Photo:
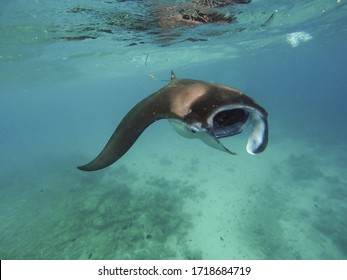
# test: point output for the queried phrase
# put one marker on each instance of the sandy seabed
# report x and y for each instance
(172, 198)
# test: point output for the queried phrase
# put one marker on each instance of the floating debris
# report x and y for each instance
(146, 59)
(295, 38)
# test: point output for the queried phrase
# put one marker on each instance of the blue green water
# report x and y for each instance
(169, 197)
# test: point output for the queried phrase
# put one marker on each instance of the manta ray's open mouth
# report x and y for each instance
(232, 120)
(229, 122)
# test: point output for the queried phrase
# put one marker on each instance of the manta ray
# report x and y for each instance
(196, 109)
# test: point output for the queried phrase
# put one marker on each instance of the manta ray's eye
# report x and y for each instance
(229, 122)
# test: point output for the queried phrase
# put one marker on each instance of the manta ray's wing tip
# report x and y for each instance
(89, 167)
(83, 168)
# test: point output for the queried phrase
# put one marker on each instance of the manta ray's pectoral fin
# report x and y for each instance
(120, 142)
(128, 131)
(115, 148)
